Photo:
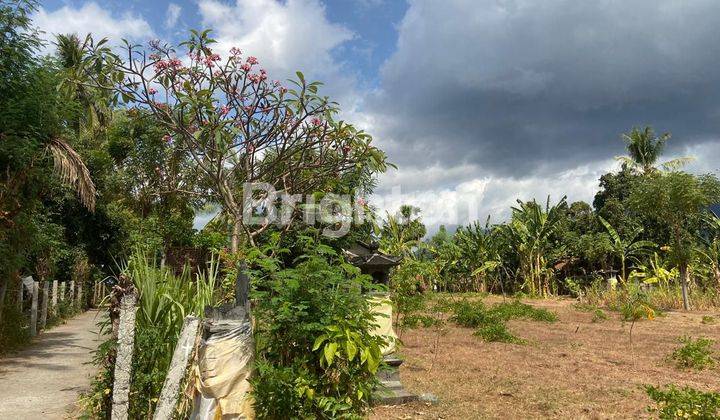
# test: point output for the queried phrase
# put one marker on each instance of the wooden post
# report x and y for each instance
(123, 361)
(178, 368)
(34, 309)
(54, 296)
(63, 286)
(44, 307)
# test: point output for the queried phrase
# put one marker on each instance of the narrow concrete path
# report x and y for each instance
(45, 380)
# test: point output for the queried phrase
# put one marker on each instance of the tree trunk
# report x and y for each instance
(684, 285)
(236, 232)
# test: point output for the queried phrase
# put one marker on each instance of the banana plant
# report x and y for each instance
(655, 272)
(625, 248)
(529, 233)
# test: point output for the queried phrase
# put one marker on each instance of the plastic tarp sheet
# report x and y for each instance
(222, 375)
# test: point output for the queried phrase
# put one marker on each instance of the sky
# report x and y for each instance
(477, 102)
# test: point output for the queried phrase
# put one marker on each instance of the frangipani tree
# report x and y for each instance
(238, 125)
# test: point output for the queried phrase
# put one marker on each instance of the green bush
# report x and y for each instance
(497, 332)
(316, 355)
(695, 354)
(684, 403)
(519, 310)
(14, 329)
(416, 320)
(490, 323)
(470, 314)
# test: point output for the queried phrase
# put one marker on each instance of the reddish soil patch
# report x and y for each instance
(574, 368)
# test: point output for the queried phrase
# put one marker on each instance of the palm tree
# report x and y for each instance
(645, 148)
(70, 168)
(625, 248)
(72, 54)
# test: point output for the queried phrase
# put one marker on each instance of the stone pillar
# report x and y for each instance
(44, 307)
(71, 296)
(63, 286)
(34, 309)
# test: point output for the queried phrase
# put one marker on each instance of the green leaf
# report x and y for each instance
(351, 350)
(319, 341)
(329, 351)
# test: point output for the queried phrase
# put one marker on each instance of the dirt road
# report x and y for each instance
(44, 380)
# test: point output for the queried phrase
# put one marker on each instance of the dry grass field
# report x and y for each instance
(574, 368)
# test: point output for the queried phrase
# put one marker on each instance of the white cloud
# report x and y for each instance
(458, 195)
(172, 15)
(285, 37)
(91, 18)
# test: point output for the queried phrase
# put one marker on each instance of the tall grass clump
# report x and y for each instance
(164, 300)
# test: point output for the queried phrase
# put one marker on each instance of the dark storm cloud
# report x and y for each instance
(517, 87)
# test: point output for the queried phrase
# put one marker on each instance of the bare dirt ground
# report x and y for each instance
(574, 368)
(44, 380)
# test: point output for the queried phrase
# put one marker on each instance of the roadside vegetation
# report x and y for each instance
(106, 162)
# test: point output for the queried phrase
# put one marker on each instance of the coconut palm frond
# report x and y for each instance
(674, 164)
(72, 171)
(627, 160)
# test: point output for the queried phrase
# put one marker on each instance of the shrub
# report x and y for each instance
(470, 314)
(14, 329)
(490, 323)
(695, 354)
(317, 356)
(683, 403)
(416, 320)
(497, 332)
(634, 305)
(519, 310)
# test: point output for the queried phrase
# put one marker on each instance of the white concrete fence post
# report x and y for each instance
(123, 361)
(34, 309)
(54, 296)
(178, 368)
(44, 307)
